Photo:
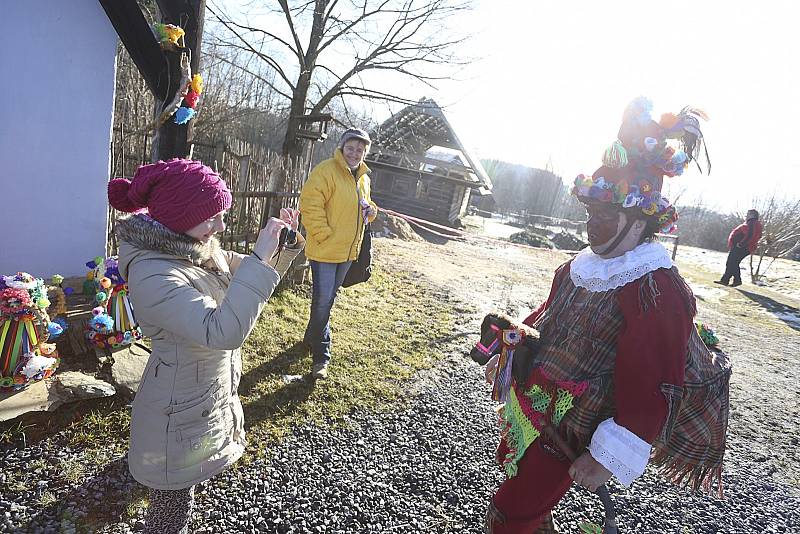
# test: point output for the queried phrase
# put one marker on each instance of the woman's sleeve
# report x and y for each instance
(165, 298)
(314, 196)
(650, 358)
(368, 197)
(282, 261)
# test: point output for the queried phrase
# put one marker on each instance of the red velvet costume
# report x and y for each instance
(651, 351)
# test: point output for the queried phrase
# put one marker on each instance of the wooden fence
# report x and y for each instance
(259, 180)
(261, 184)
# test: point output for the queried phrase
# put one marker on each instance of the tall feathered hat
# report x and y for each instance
(645, 151)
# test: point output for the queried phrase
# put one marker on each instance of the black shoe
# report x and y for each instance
(736, 283)
(720, 282)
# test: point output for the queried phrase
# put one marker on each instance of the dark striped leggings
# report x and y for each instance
(169, 511)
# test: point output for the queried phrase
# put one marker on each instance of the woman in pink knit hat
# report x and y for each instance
(197, 303)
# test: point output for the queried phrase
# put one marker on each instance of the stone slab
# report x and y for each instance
(128, 368)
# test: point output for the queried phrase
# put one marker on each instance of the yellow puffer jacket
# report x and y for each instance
(329, 204)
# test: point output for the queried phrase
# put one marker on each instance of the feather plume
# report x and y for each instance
(687, 131)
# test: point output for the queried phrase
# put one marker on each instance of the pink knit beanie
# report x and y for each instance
(178, 193)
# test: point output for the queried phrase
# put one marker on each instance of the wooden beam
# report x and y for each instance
(139, 41)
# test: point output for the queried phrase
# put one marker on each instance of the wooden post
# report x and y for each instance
(174, 140)
(219, 155)
(243, 185)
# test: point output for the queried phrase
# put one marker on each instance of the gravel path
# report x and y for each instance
(428, 466)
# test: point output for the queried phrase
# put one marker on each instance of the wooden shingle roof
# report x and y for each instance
(406, 136)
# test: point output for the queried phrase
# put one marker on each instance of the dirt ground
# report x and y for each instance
(759, 327)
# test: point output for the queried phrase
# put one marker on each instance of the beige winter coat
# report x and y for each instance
(198, 304)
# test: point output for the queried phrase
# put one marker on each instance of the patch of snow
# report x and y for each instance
(791, 318)
(708, 294)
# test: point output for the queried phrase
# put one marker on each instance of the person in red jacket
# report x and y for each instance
(617, 345)
(741, 243)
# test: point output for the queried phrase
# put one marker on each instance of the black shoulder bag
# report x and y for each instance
(361, 269)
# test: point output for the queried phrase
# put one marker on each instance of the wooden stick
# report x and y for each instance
(610, 523)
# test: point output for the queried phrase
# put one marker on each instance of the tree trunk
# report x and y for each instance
(293, 146)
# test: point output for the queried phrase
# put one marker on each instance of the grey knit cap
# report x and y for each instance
(355, 133)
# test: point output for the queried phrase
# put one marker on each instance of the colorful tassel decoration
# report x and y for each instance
(502, 382)
(615, 156)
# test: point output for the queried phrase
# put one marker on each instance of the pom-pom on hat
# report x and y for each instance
(645, 151)
(178, 193)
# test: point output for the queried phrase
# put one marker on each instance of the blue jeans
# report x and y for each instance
(326, 280)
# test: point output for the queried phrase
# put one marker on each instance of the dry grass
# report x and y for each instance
(382, 331)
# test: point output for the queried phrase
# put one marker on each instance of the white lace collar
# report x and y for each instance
(590, 271)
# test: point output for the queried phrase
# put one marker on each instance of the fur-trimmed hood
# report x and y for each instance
(144, 233)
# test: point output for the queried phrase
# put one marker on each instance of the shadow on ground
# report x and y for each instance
(283, 400)
(786, 313)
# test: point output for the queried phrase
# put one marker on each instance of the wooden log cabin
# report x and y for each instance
(421, 168)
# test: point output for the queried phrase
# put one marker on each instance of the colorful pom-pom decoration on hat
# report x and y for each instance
(25, 328)
(646, 151)
(112, 324)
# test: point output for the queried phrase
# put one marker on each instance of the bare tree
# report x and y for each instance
(780, 219)
(405, 37)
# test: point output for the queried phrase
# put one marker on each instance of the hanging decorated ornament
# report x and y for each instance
(184, 115)
(197, 84)
(113, 324)
(168, 34)
(25, 327)
(187, 112)
(183, 106)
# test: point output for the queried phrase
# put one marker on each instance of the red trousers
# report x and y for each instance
(524, 500)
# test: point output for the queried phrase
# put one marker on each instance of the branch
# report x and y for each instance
(287, 13)
(371, 94)
(264, 57)
(350, 25)
(255, 30)
(251, 73)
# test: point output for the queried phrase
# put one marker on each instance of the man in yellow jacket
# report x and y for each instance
(335, 204)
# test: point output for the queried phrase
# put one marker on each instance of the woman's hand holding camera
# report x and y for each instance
(291, 217)
(267, 242)
(269, 236)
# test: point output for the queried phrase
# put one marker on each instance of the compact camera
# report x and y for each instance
(288, 237)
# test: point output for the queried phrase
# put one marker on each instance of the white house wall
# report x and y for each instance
(57, 65)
